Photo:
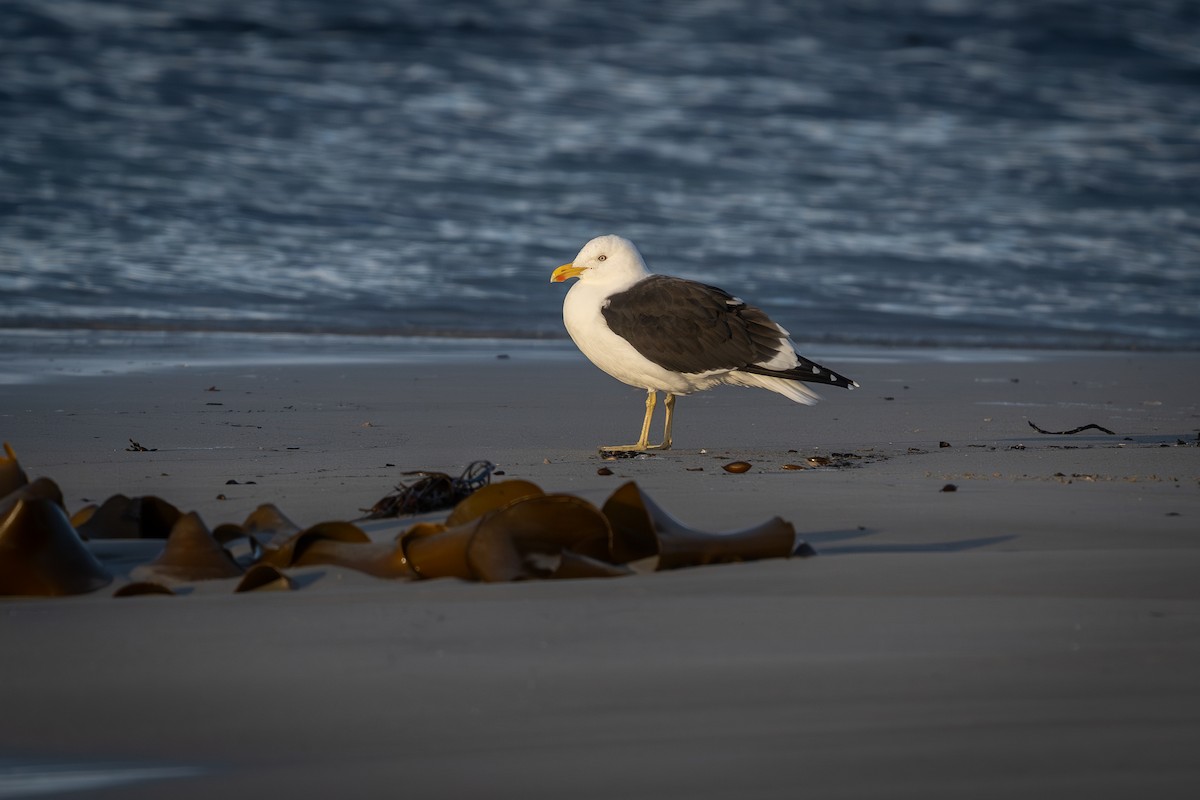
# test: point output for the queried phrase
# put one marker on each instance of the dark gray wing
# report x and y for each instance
(690, 327)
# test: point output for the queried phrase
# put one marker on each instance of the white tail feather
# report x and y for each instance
(792, 390)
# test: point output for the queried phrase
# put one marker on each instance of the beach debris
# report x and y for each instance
(41, 555)
(737, 467)
(121, 517)
(264, 578)
(266, 522)
(491, 497)
(313, 544)
(40, 489)
(641, 529)
(1073, 430)
(949, 487)
(833, 461)
(139, 588)
(520, 540)
(512, 530)
(560, 536)
(191, 553)
(12, 477)
(432, 491)
(504, 531)
(604, 471)
(138, 447)
(944, 444)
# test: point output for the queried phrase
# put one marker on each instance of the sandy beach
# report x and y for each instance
(1036, 631)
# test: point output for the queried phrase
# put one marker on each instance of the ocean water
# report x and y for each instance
(947, 172)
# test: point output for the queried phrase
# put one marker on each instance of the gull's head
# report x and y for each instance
(607, 259)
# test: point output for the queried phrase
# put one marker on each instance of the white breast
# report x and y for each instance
(608, 351)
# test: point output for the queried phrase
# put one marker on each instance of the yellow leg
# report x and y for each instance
(669, 405)
(644, 439)
(643, 442)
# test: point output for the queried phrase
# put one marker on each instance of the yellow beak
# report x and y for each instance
(566, 271)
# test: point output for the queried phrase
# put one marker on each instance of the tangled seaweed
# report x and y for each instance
(434, 491)
(506, 531)
(1081, 428)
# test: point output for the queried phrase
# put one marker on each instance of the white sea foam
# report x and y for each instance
(891, 173)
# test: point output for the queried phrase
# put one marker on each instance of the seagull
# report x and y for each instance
(672, 335)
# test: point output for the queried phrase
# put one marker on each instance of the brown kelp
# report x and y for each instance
(507, 530)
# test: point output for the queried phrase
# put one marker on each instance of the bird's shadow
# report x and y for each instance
(821, 543)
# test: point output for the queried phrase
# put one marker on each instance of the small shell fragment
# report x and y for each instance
(736, 466)
(604, 471)
(794, 466)
(817, 461)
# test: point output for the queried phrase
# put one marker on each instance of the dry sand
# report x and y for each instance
(1035, 632)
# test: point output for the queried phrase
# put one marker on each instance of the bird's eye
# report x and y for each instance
(601, 258)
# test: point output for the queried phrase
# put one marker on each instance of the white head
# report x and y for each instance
(608, 260)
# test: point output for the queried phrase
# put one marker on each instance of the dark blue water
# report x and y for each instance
(957, 172)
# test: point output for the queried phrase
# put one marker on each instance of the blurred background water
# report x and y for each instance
(949, 172)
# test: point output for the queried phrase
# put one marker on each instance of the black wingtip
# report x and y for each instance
(806, 373)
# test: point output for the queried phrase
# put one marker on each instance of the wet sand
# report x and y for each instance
(1035, 631)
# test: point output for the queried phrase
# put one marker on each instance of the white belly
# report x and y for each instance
(616, 356)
